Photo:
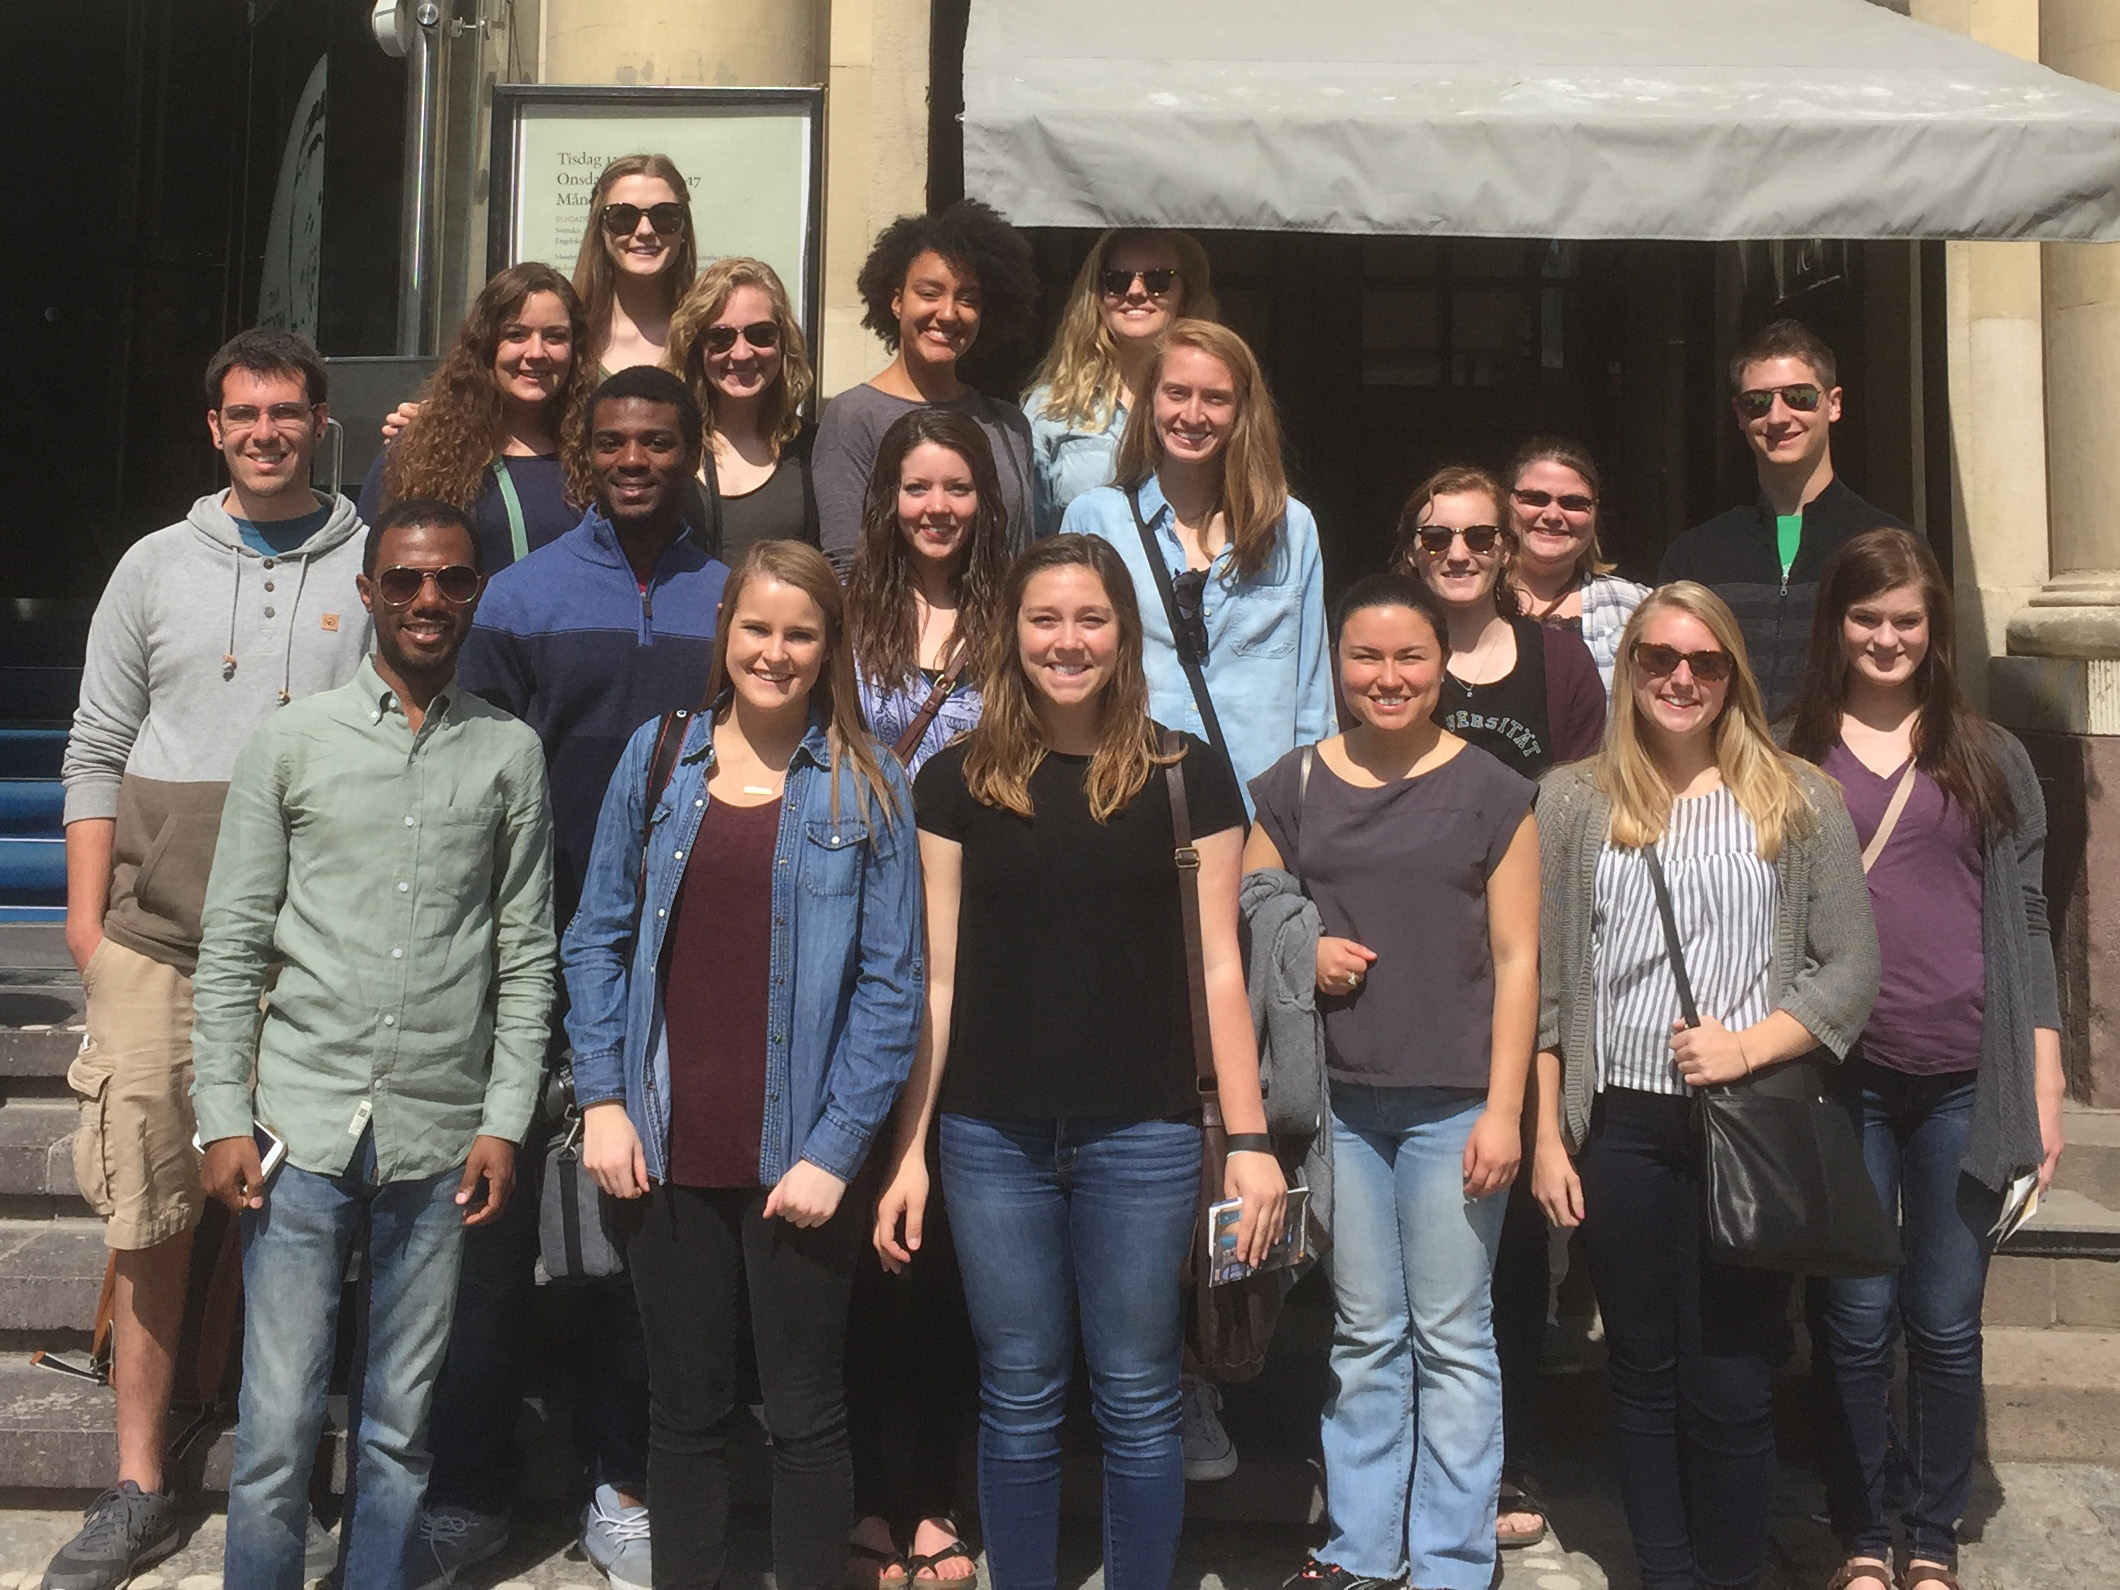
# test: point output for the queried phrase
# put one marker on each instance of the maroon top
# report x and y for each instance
(1925, 892)
(718, 958)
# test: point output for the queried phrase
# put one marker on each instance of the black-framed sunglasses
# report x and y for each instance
(1118, 283)
(759, 334)
(1435, 539)
(1570, 501)
(1709, 667)
(1187, 592)
(623, 220)
(1757, 402)
(400, 586)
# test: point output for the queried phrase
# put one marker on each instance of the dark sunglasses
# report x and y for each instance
(1709, 667)
(623, 220)
(1571, 502)
(1756, 403)
(759, 334)
(1435, 539)
(1118, 283)
(400, 586)
(1186, 592)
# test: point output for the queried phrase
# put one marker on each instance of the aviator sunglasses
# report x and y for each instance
(1709, 667)
(400, 586)
(623, 220)
(1118, 283)
(1756, 403)
(759, 334)
(1435, 539)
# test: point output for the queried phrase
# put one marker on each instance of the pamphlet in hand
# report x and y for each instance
(2019, 1204)
(1291, 1247)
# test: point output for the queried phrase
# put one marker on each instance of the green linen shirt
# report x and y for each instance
(402, 884)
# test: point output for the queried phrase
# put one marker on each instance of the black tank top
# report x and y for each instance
(1508, 717)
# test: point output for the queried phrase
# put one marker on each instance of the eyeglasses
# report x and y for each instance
(280, 416)
(1435, 539)
(400, 586)
(623, 220)
(759, 334)
(1118, 283)
(1756, 403)
(1571, 502)
(1709, 667)
(1186, 592)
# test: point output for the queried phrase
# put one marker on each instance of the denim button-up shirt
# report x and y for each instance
(1267, 668)
(1068, 457)
(844, 1004)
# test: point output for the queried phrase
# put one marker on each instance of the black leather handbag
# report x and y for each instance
(1783, 1183)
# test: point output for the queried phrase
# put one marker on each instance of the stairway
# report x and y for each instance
(40, 676)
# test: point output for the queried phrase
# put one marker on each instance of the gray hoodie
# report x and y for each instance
(196, 641)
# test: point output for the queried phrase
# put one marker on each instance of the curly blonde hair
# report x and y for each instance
(684, 357)
(1081, 368)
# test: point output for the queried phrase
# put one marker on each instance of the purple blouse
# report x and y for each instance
(1925, 892)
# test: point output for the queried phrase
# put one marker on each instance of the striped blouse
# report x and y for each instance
(1724, 897)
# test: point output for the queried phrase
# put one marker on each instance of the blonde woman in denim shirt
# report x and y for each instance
(1204, 482)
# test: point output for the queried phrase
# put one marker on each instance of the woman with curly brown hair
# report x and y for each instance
(933, 285)
(496, 419)
(736, 343)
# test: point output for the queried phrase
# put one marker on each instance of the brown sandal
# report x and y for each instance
(1932, 1573)
(1856, 1569)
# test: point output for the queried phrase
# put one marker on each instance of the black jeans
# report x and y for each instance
(1520, 1288)
(693, 1248)
(1692, 1345)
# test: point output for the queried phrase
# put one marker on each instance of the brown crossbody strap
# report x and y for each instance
(1890, 820)
(909, 742)
(1188, 859)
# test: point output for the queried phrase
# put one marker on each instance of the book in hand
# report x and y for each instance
(1291, 1247)
(2019, 1204)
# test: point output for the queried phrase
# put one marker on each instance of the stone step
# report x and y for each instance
(58, 1433)
(36, 1159)
(51, 1274)
(2090, 1165)
(2053, 1396)
(40, 1009)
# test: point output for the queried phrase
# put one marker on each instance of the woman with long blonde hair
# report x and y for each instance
(1766, 887)
(1135, 282)
(736, 343)
(1057, 1059)
(1225, 563)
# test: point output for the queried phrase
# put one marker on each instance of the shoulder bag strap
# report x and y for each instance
(518, 532)
(1194, 674)
(669, 740)
(1188, 860)
(1686, 1007)
(916, 731)
(1900, 795)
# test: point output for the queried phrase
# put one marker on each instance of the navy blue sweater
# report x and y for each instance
(568, 642)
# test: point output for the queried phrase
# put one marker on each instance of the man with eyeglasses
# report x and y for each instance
(1764, 558)
(206, 629)
(385, 873)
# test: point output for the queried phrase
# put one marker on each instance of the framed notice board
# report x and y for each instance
(752, 158)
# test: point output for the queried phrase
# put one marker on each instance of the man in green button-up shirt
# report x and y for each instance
(387, 847)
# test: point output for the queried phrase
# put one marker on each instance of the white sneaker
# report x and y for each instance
(1209, 1453)
(615, 1539)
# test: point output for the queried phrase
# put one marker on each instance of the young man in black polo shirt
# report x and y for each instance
(1764, 558)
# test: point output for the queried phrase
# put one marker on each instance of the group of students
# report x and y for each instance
(847, 772)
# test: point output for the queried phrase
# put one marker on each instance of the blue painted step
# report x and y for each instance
(33, 872)
(32, 808)
(27, 753)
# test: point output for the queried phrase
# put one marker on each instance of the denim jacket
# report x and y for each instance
(846, 994)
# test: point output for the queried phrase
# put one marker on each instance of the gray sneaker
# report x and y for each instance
(320, 1553)
(446, 1540)
(127, 1529)
(615, 1539)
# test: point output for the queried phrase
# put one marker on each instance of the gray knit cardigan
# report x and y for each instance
(1824, 970)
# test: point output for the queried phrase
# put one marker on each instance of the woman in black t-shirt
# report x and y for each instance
(1058, 1056)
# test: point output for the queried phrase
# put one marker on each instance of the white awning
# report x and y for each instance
(1675, 119)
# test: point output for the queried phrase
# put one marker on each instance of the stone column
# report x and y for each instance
(683, 43)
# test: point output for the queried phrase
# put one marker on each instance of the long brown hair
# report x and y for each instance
(883, 618)
(1006, 748)
(1081, 369)
(1254, 501)
(1952, 742)
(780, 414)
(1460, 480)
(462, 423)
(596, 277)
(833, 697)
(1754, 769)
(1569, 455)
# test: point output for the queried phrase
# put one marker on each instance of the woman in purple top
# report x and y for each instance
(1956, 1088)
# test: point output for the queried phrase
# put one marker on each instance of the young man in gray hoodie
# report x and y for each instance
(205, 630)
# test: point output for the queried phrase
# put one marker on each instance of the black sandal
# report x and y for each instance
(916, 1561)
(892, 1570)
(1514, 1498)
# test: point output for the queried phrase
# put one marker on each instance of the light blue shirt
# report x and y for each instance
(1267, 667)
(1067, 458)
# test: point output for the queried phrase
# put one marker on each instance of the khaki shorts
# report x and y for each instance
(132, 1155)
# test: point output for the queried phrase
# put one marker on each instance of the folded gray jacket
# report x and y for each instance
(1280, 931)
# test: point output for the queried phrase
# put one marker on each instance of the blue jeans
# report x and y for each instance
(1051, 1216)
(1413, 1423)
(294, 1258)
(1913, 1135)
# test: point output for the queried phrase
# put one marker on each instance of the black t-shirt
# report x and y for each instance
(1070, 996)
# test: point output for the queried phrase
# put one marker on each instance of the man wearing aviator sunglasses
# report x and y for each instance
(1764, 559)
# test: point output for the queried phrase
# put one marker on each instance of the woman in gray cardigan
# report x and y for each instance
(1956, 1088)
(1766, 884)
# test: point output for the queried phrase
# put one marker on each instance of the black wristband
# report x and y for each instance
(1249, 1143)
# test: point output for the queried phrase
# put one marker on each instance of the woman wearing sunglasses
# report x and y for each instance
(1561, 575)
(735, 342)
(1129, 290)
(1765, 880)
(933, 285)
(1225, 562)
(497, 418)
(1957, 1088)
